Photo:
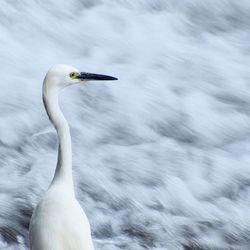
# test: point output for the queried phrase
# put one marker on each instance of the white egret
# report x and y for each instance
(58, 221)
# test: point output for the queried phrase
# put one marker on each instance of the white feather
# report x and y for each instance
(58, 222)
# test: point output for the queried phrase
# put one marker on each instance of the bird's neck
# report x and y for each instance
(63, 173)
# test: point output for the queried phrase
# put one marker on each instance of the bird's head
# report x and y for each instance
(62, 75)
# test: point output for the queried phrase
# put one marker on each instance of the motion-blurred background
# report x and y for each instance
(162, 156)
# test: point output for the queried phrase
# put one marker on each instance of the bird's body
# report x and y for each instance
(58, 221)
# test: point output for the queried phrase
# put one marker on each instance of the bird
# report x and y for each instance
(58, 221)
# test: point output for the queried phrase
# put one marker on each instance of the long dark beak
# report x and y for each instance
(97, 77)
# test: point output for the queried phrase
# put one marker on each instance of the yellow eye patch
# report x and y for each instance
(74, 75)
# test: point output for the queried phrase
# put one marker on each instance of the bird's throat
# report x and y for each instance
(63, 171)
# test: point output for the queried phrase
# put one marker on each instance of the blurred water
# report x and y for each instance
(161, 157)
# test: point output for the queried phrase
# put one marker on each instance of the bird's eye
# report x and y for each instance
(71, 75)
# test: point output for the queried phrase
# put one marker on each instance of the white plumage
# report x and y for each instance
(58, 222)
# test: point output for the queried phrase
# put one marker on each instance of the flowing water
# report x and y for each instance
(162, 156)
